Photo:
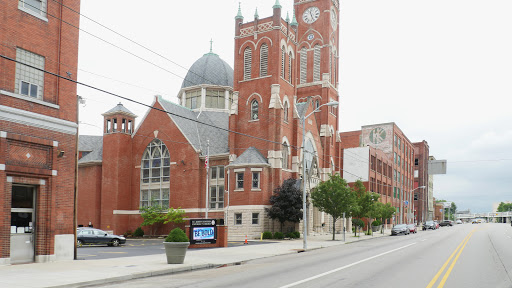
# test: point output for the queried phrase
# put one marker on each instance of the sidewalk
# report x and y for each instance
(80, 273)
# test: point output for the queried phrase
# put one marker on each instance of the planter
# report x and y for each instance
(376, 228)
(175, 252)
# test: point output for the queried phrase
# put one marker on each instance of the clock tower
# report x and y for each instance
(317, 57)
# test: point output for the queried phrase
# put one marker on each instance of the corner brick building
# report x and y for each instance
(38, 130)
(247, 120)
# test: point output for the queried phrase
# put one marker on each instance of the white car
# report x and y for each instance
(459, 221)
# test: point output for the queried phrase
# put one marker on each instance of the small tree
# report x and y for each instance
(364, 201)
(386, 212)
(286, 203)
(334, 197)
(155, 216)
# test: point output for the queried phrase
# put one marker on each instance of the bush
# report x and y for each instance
(297, 234)
(376, 223)
(357, 222)
(127, 234)
(289, 235)
(138, 232)
(267, 235)
(177, 235)
(293, 235)
(278, 235)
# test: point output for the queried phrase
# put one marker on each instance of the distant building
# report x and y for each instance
(421, 178)
(439, 211)
(38, 130)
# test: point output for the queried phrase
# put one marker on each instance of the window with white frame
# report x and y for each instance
(215, 98)
(238, 218)
(216, 187)
(254, 109)
(285, 155)
(290, 58)
(316, 63)
(240, 180)
(255, 218)
(247, 63)
(155, 175)
(29, 81)
(255, 180)
(303, 65)
(263, 60)
(283, 60)
(36, 7)
(193, 99)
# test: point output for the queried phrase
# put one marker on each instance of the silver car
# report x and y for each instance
(400, 229)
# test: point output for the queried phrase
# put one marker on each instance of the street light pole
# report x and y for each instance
(304, 214)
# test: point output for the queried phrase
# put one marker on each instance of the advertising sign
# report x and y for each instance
(203, 231)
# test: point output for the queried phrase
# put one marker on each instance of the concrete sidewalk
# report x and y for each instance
(81, 273)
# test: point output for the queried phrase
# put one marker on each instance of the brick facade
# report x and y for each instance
(421, 178)
(38, 129)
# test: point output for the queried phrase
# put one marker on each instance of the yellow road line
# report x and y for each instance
(434, 280)
(441, 284)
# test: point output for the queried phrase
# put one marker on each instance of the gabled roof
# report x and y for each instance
(250, 156)
(93, 145)
(197, 133)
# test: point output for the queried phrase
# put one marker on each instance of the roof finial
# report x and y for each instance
(294, 20)
(211, 44)
(287, 18)
(256, 16)
(277, 5)
(239, 15)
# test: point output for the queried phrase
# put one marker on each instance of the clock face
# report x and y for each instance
(334, 19)
(311, 15)
(377, 135)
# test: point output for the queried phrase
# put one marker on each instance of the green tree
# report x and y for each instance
(286, 203)
(386, 212)
(364, 201)
(155, 216)
(504, 207)
(334, 197)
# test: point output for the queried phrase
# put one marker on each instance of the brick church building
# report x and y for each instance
(247, 120)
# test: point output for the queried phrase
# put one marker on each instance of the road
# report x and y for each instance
(465, 255)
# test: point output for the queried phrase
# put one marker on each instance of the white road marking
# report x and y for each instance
(344, 267)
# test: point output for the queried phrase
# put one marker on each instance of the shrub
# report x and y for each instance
(127, 234)
(267, 235)
(289, 235)
(297, 234)
(293, 235)
(278, 235)
(138, 232)
(177, 235)
(376, 223)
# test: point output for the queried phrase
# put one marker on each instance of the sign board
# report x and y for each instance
(436, 167)
(203, 231)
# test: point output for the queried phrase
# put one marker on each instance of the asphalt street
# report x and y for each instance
(464, 255)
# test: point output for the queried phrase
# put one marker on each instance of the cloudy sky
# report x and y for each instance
(441, 70)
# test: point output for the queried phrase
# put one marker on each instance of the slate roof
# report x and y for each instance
(198, 133)
(94, 144)
(209, 69)
(250, 156)
(119, 109)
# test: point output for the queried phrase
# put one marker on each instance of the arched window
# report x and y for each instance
(263, 60)
(254, 110)
(303, 65)
(285, 155)
(247, 63)
(155, 174)
(317, 104)
(283, 59)
(316, 63)
(285, 111)
(290, 67)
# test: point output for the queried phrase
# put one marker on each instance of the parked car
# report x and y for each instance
(400, 229)
(97, 236)
(446, 223)
(429, 225)
(458, 221)
(412, 228)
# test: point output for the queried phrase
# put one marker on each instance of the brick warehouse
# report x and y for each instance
(283, 70)
(38, 130)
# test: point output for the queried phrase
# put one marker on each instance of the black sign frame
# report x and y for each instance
(200, 228)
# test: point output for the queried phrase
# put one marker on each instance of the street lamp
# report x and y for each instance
(421, 187)
(304, 216)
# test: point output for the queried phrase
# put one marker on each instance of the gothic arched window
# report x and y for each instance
(290, 57)
(285, 111)
(316, 63)
(247, 63)
(283, 60)
(155, 173)
(254, 110)
(263, 60)
(303, 65)
(285, 155)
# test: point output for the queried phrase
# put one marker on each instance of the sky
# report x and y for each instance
(441, 70)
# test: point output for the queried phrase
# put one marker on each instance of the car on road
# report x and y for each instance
(97, 236)
(429, 225)
(446, 223)
(412, 228)
(400, 229)
(459, 221)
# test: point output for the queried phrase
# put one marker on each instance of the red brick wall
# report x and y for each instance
(89, 195)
